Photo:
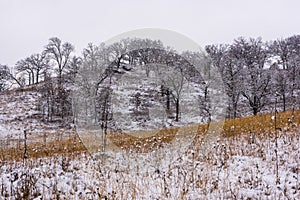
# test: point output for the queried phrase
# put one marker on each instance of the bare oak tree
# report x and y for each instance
(25, 66)
(256, 79)
(60, 54)
(173, 80)
(39, 63)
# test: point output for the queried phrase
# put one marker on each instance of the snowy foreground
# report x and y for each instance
(239, 167)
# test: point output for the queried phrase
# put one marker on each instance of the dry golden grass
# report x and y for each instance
(263, 123)
(144, 144)
(260, 124)
(40, 149)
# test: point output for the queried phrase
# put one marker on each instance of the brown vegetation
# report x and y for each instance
(258, 125)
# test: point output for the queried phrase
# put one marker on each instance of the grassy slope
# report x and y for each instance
(260, 124)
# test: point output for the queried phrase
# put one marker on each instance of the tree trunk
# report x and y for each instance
(147, 71)
(48, 108)
(255, 105)
(32, 76)
(37, 76)
(234, 110)
(59, 78)
(29, 79)
(177, 110)
(168, 100)
(162, 90)
(283, 98)
(255, 110)
(119, 61)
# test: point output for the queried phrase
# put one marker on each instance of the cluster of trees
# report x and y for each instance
(56, 60)
(102, 64)
(55, 68)
(254, 73)
(259, 73)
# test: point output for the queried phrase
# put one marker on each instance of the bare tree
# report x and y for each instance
(138, 51)
(39, 63)
(286, 53)
(212, 96)
(74, 65)
(280, 81)
(47, 100)
(91, 97)
(281, 49)
(60, 54)
(25, 65)
(8, 77)
(4, 76)
(226, 59)
(217, 53)
(118, 50)
(150, 51)
(293, 66)
(173, 80)
(34, 65)
(91, 74)
(95, 65)
(232, 79)
(256, 78)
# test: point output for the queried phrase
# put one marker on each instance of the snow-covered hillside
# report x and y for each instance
(138, 103)
(19, 111)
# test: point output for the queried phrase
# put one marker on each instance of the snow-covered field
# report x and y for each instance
(239, 167)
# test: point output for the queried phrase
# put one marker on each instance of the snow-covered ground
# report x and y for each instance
(233, 168)
(19, 111)
(151, 102)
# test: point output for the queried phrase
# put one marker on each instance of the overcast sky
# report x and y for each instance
(26, 25)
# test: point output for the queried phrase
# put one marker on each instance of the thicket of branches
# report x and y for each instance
(255, 73)
(259, 73)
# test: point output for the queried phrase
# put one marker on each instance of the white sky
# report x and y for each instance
(26, 25)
